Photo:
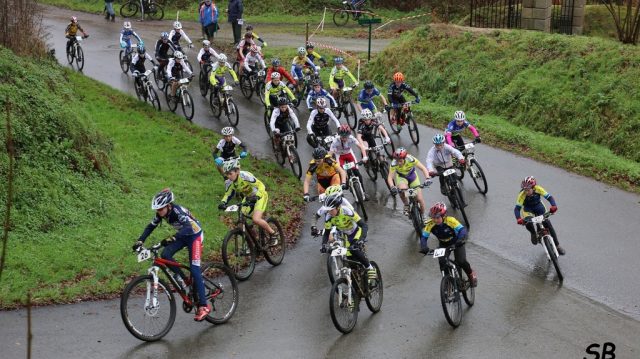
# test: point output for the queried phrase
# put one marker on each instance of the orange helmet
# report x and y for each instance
(398, 77)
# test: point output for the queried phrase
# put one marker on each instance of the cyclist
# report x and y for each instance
(456, 126)
(528, 203)
(274, 88)
(216, 78)
(71, 30)
(253, 61)
(313, 55)
(176, 34)
(403, 174)
(348, 222)
(343, 148)
(207, 54)
(317, 92)
(318, 124)
(397, 87)
(300, 61)
(227, 145)
(256, 36)
(328, 172)
(275, 67)
(175, 68)
(243, 49)
(189, 234)
(246, 185)
(366, 95)
(336, 77)
(439, 159)
(281, 117)
(366, 129)
(448, 231)
(125, 37)
(163, 45)
(137, 63)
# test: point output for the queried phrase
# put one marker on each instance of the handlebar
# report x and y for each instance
(529, 219)
(408, 103)
(423, 185)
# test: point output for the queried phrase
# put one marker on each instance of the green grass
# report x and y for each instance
(89, 161)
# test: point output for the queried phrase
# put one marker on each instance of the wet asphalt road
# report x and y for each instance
(520, 310)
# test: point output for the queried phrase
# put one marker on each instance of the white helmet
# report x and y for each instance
(162, 199)
(459, 116)
(206, 43)
(321, 102)
(366, 114)
(227, 131)
(275, 75)
(127, 25)
(177, 25)
(222, 58)
(178, 55)
(230, 165)
(301, 50)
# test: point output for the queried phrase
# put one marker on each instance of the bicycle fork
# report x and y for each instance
(151, 301)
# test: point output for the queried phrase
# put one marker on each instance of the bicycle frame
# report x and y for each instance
(541, 231)
(351, 270)
(244, 223)
(161, 264)
(352, 178)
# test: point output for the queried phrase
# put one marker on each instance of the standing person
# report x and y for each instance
(108, 6)
(209, 18)
(234, 14)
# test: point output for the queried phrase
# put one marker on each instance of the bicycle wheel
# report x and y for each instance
(267, 119)
(461, 205)
(359, 194)
(552, 254)
(477, 175)
(221, 289)
(154, 100)
(340, 17)
(124, 64)
(384, 173)
(333, 267)
(413, 129)
(468, 292)
(395, 128)
(350, 115)
(231, 111)
(157, 78)
(343, 315)
(390, 148)
(246, 87)
(260, 91)
(372, 169)
(450, 298)
(203, 83)
(155, 11)
(80, 58)
(129, 9)
(70, 55)
(187, 105)
(274, 253)
(239, 253)
(236, 66)
(172, 104)
(147, 319)
(214, 104)
(294, 162)
(416, 218)
(374, 300)
(278, 151)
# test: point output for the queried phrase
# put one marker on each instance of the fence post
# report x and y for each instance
(536, 15)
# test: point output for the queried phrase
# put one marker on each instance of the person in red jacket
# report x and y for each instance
(275, 66)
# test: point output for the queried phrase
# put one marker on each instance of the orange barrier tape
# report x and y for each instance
(402, 18)
(325, 46)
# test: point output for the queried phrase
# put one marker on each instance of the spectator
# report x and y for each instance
(108, 7)
(234, 14)
(209, 18)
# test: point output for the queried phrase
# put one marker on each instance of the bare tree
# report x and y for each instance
(21, 27)
(626, 16)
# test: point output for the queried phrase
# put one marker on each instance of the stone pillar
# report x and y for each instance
(578, 17)
(536, 14)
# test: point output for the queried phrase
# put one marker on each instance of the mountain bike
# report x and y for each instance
(253, 81)
(355, 187)
(146, 92)
(147, 303)
(75, 52)
(341, 16)
(345, 106)
(377, 163)
(472, 166)
(414, 206)
(182, 96)
(241, 245)
(454, 282)
(284, 148)
(350, 286)
(453, 191)
(303, 85)
(203, 78)
(223, 101)
(152, 9)
(543, 237)
(125, 58)
(404, 116)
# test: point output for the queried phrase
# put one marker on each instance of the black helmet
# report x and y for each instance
(309, 45)
(316, 82)
(275, 62)
(368, 85)
(282, 101)
(319, 153)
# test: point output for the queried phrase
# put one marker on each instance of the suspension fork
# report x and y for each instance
(151, 300)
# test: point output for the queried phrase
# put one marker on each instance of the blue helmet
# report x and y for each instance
(141, 49)
(438, 139)
(338, 60)
(164, 35)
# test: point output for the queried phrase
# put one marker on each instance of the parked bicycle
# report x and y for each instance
(543, 237)
(144, 89)
(345, 106)
(454, 192)
(472, 166)
(241, 245)
(152, 9)
(454, 282)
(404, 116)
(223, 102)
(147, 303)
(182, 97)
(284, 148)
(76, 53)
(414, 206)
(355, 187)
(341, 16)
(125, 58)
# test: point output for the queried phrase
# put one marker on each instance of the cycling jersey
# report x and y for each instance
(367, 130)
(257, 37)
(243, 48)
(319, 121)
(162, 49)
(328, 167)
(207, 55)
(449, 231)
(247, 185)
(72, 29)
(228, 148)
(180, 219)
(313, 55)
(174, 67)
(176, 35)
(125, 35)
(137, 62)
(366, 99)
(283, 73)
(217, 73)
(342, 148)
(532, 204)
(395, 92)
(274, 90)
(339, 74)
(407, 170)
(298, 63)
(442, 157)
(454, 130)
(313, 96)
(280, 120)
(253, 61)
(346, 221)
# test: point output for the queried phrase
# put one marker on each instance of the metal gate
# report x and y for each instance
(562, 17)
(496, 13)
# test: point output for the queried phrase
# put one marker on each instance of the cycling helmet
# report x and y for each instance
(366, 114)
(301, 51)
(439, 209)
(438, 139)
(309, 45)
(344, 130)
(162, 199)
(230, 165)
(164, 35)
(368, 85)
(275, 62)
(253, 48)
(316, 82)
(338, 60)
(249, 27)
(398, 77)
(528, 182)
(177, 25)
(228, 131)
(319, 153)
(206, 43)
(178, 55)
(331, 190)
(222, 58)
(400, 153)
(127, 25)
(333, 201)
(321, 102)
(74, 19)
(282, 101)
(459, 116)
(275, 75)
(141, 49)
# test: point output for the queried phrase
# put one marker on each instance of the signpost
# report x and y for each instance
(369, 21)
